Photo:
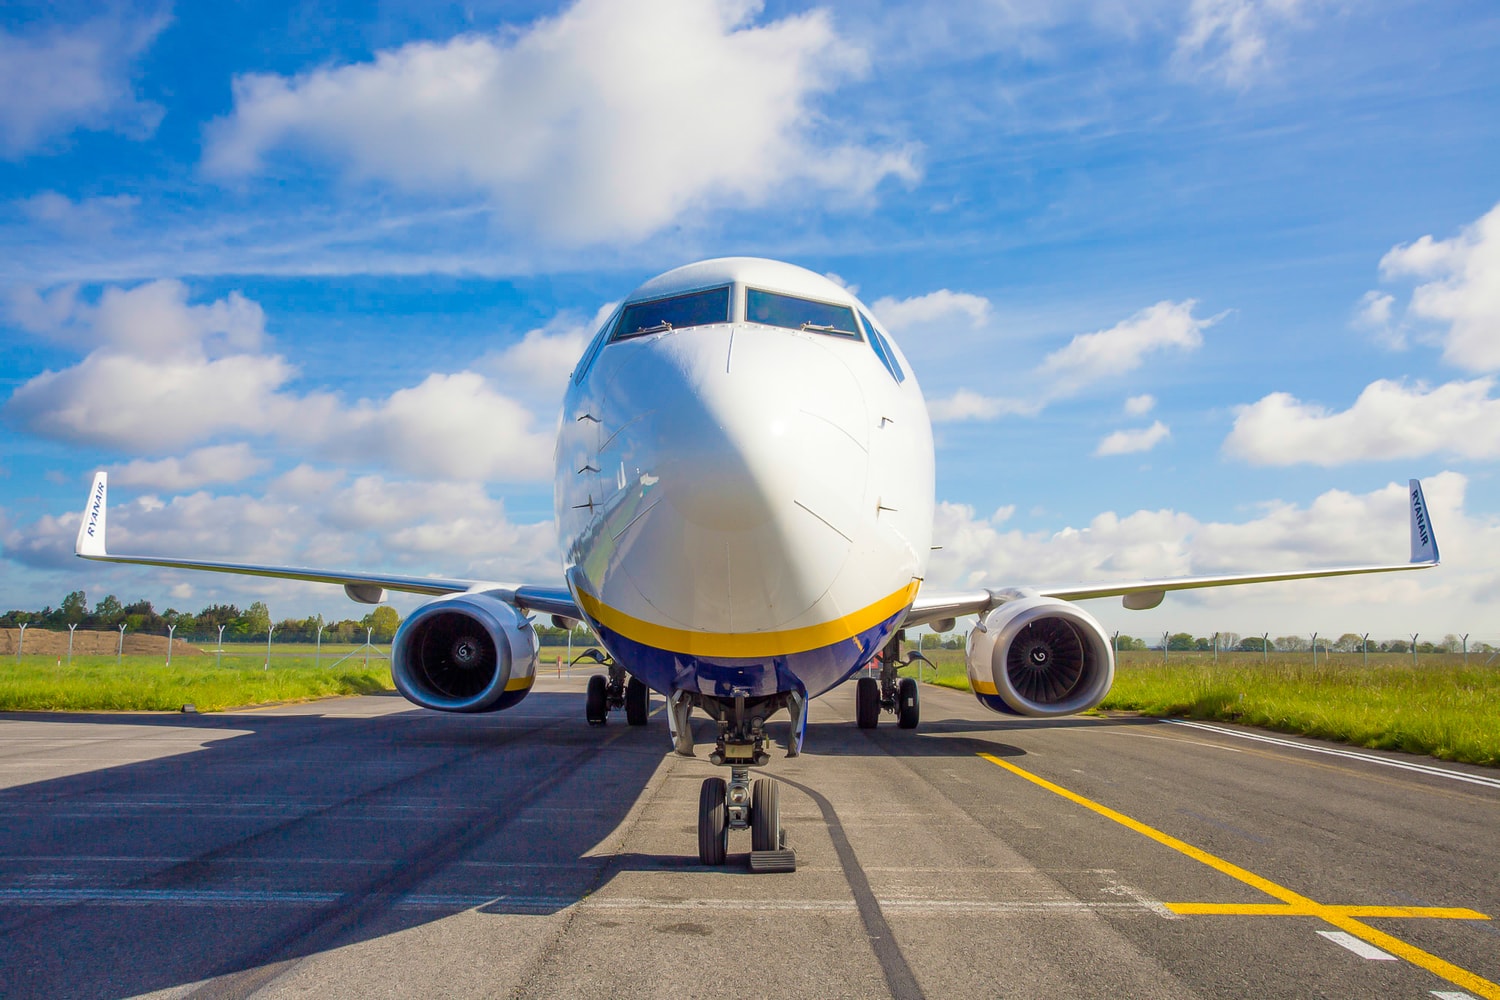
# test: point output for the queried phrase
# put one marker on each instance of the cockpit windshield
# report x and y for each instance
(674, 313)
(799, 314)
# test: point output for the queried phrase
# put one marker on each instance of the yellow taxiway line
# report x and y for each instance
(1292, 903)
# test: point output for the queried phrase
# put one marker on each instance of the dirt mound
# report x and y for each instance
(41, 642)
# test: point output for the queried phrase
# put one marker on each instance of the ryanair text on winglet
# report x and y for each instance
(96, 507)
(1421, 512)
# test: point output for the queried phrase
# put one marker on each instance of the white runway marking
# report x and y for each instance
(1369, 758)
(1357, 946)
(1451, 995)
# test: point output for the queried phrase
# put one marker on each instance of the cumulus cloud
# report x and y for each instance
(226, 463)
(54, 81)
(85, 217)
(1461, 290)
(1388, 420)
(933, 309)
(369, 522)
(1231, 40)
(1127, 442)
(536, 368)
(1139, 406)
(1087, 359)
(606, 122)
(164, 374)
(1336, 528)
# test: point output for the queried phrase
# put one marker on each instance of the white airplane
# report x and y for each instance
(744, 496)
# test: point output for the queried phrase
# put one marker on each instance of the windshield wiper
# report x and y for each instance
(821, 328)
(658, 328)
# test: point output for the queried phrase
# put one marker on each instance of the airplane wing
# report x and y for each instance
(367, 588)
(1141, 595)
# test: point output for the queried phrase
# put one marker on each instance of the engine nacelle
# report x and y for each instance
(1040, 657)
(465, 653)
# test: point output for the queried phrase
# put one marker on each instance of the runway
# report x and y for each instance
(361, 847)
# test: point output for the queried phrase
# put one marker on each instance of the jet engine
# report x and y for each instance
(1040, 657)
(465, 653)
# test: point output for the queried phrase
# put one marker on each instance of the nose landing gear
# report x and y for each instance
(740, 803)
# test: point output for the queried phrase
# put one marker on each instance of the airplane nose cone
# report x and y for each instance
(758, 445)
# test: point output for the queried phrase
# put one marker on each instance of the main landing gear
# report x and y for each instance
(740, 803)
(897, 695)
(617, 689)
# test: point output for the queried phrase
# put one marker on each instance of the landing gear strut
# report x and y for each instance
(897, 695)
(614, 690)
(739, 803)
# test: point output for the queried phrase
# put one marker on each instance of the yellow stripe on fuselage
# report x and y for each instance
(746, 645)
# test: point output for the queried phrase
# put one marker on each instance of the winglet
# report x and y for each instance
(1424, 547)
(91, 531)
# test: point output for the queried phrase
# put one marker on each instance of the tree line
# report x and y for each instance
(1349, 642)
(245, 625)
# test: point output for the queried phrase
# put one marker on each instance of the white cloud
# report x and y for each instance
(968, 405)
(55, 81)
(606, 122)
(1139, 406)
(1388, 420)
(1337, 528)
(1128, 442)
(933, 309)
(536, 368)
(1091, 357)
(164, 374)
(225, 463)
(1086, 359)
(1231, 40)
(1463, 293)
(86, 217)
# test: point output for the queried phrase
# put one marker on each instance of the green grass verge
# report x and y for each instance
(1441, 709)
(145, 683)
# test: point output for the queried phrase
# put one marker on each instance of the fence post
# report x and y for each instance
(1265, 647)
(21, 644)
(1315, 649)
(1165, 641)
(367, 648)
(1216, 647)
(1366, 648)
(120, 652)
(270, 631)
(318, 649)
(71, 630)
(1414, 648)
(219, 653)
(1466, 649)
(170, 629)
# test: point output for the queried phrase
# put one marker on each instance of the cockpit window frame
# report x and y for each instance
(617, 336)
(882, 347)
(854, 335)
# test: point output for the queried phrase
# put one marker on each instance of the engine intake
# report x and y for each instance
(465, 653)
(1040, 657)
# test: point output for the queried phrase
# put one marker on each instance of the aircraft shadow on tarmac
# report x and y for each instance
(288, 835)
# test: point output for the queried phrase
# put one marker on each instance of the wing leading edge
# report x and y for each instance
(1140, 595)
(364, 587)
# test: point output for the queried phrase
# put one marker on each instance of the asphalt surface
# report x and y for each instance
(360, 847)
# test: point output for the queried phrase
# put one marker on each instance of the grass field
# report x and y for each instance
(146, 683)
(1439, 707)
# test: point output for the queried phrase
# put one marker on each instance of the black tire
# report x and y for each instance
(637, 702)
(866, 702)
(765, 815)
(908, 703)
(713, 823)
(596, 704)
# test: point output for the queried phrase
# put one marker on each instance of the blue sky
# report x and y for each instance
(1191, 286)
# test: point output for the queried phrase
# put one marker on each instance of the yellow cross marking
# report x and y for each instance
(1293, 903)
